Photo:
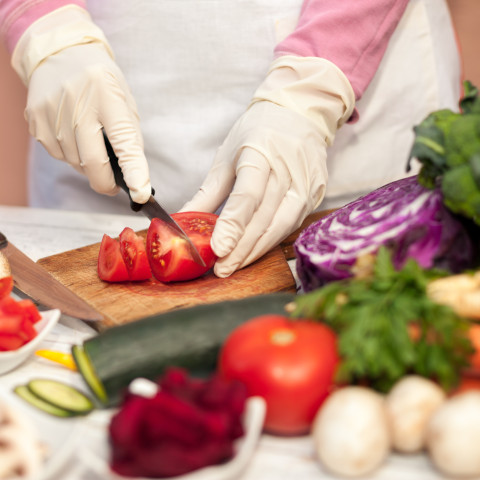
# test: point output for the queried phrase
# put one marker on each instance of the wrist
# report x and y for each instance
(62, 28)
(312, 87)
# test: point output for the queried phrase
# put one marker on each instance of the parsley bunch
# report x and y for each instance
(387, 327)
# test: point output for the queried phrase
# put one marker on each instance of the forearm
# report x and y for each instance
(352, 35)
(17, 15)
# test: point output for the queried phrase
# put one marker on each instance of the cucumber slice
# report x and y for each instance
(85, 368)
(61, 396)
(24, 392)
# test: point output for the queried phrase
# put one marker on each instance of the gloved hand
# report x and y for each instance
(272, 165)
(75, 89)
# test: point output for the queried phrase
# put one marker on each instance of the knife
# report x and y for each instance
(151, 209)
(33, 280)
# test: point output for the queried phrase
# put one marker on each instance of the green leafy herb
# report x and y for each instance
(447, 144)
(387, 326)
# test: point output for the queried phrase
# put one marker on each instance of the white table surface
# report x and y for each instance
(40, 233)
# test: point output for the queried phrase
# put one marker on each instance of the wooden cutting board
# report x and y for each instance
(121, 303)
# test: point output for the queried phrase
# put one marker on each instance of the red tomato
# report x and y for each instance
(29, 310)
(110, 266)
(10, 324)
(6, 286)
(132, 248)
(10, 342)
(168, 254)
(17, 319)
(290, 363)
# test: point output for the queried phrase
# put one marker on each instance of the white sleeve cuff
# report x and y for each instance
(311, 86)
(62, 28)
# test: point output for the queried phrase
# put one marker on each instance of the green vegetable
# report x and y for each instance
(55, 398)
(374, 317)
(447, 144)
(189, 338)
(24, 392)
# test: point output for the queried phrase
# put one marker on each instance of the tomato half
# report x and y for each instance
(290, 363)
(132, 248)
(168, 254)
(110, 265)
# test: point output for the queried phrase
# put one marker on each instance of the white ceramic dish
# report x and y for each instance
(245, 448)
(12, 359)
(57, 435)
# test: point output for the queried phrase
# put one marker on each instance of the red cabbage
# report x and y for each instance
(406, 217)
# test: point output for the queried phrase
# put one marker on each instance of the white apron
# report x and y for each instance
(193, 66)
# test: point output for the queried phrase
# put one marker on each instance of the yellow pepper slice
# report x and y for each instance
(65, 359)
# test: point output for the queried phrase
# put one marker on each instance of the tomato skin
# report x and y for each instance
(6, 286)
(10, 342)
(110, 265)
(17, 320)
(169, 257)
(134, 254)
(290, 363)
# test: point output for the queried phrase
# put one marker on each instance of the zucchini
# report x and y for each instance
(189, 338)
(61, 395)
(24, 392)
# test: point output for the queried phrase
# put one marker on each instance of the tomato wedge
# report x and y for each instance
(17, 319)
(110, 266)
(168, 254)
(6, 286)
(132, 248)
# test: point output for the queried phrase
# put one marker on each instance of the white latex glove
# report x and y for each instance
(272, 165)
(75, 89)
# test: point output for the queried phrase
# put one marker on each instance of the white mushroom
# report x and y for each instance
(351, 431)
(453, 436)
(21, 453)
(410, 405)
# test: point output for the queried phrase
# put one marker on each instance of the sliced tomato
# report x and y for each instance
(169, 256)
(10, 342)
(29, 310)
(9, 306)
(290, 363)
(110, 266)
(17, 319)
(134, 253)
(6, 286)
(10, 324)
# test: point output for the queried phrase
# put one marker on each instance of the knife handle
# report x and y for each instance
(118, 175)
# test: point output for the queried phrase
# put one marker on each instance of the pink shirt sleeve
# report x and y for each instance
(17, 15)
(352, 34)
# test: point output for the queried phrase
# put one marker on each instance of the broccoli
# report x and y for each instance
(447, 144)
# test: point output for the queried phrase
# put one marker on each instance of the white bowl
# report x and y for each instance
(13, 358)
(97, 457)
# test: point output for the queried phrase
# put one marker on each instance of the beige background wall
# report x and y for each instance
(13, 129)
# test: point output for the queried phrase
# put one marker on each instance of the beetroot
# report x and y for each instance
(187, 425)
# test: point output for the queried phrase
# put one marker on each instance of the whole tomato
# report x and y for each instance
(291, 363)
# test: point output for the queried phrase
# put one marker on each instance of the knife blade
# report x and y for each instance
(151, 209)
(33, 280)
